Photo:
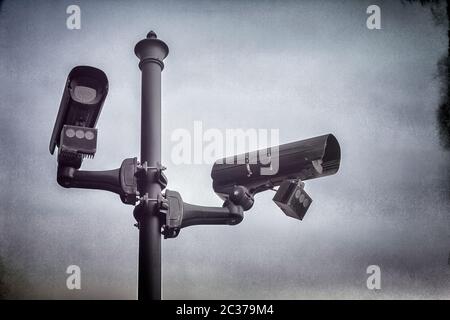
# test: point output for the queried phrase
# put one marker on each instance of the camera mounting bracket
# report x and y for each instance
(121, 181)
(178, 214)
(144, 170)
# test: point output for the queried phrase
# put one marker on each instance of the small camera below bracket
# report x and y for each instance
(292, 198)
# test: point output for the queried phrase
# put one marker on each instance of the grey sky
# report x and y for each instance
(305, 67)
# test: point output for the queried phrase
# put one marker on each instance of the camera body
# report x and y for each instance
(306, 159)
(296, 161)
(82, 101)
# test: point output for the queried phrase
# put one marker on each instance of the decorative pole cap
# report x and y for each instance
(151, 50)
(152, 35)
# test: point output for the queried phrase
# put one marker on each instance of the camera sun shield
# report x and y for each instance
(292, 199)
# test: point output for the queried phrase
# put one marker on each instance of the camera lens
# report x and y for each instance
(306, 203)
(301, 198)
(80, 134)
(84, 94)
(70, 133)
(89, 135)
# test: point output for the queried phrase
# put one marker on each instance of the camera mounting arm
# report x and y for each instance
(121, 181)
(179, 214)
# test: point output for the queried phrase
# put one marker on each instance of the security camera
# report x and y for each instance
(76, 137)
(74, 130)
(306, 159)
(285, 166)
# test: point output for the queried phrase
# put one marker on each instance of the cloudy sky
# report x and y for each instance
(304, 67)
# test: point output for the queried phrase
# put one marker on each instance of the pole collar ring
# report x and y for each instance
(153, 60)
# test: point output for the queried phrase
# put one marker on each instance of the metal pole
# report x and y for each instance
(151, 52)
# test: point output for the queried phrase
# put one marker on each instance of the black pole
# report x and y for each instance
(151, 52)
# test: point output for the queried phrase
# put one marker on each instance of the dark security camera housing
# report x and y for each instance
(306, 159)
(296, 161)
(83, 97)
